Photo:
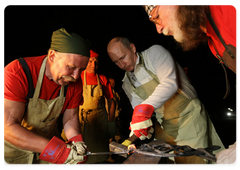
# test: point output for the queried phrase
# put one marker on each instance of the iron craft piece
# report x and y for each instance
(167, 150)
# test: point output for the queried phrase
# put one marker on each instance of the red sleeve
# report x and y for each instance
(224, 17)
(106, 86)
(15, 82)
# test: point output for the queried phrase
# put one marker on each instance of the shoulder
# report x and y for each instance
(220, 10)
(13, 66)
(224, 16)
(155, 51)
(34, 63)
(155, 56)
(15, 82)
(101, 76)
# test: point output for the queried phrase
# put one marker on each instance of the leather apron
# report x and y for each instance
(93, 120)
(177, 116)
(40, 118)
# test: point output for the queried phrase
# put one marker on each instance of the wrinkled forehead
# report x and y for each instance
(149, 8)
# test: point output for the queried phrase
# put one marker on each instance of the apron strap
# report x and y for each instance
(211, 21)
(29, 77)
(141, 61)
(98, 80)
(221, 61)
(39, 82)
(62, 96)
(85, 80)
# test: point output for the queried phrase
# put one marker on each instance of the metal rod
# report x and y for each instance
(106, 153)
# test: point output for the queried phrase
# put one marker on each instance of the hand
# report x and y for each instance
(141, 124)
(74, 157)
(144, 133)
(112, 128)
(78, 143)
(57, 151)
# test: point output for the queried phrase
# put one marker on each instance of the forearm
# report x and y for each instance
(24, 139)
(15, 133)
(162, 93)
(111, 108)
(71, 123)
(72, 128)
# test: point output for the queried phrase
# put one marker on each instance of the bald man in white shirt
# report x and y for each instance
(154, 82)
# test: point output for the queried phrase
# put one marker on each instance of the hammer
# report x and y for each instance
(116, 147)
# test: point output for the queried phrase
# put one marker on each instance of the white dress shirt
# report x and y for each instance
(170, 74)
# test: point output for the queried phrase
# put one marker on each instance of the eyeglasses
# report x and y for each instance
(154, 16)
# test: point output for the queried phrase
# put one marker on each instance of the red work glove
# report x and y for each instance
(81, 147)
(57, 151)
(141, 124)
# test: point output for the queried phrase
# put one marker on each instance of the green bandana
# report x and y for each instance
(64, 42)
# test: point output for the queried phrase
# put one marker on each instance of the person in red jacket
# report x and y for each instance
(31, 133)
(95, 126)
(190, 25)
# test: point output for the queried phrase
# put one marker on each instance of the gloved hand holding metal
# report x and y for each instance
(77, 141)
(57, 151)
(112, 128)
(74, 157)
(141, 124)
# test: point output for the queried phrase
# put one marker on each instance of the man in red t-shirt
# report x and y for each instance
(31, 132)
(95, 126)
(190, 25)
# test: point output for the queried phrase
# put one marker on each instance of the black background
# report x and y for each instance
(28, 31)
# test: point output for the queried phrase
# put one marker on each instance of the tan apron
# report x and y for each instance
(40, 118)
(93, 120)
(177, 116)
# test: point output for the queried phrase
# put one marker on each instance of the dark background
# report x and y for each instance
(28, 31)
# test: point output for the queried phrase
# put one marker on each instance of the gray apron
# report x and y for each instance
(40, 118)
(93, 120)
(177, 116)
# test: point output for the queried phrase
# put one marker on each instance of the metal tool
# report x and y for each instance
(117, 147)
(105, 153)
(163, 150)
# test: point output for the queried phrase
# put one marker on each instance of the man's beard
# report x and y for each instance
(186, 41)
(183, 41)
(187, 45)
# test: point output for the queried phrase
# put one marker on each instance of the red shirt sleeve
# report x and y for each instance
(224, 17)
(15, 82)
(107, 90)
